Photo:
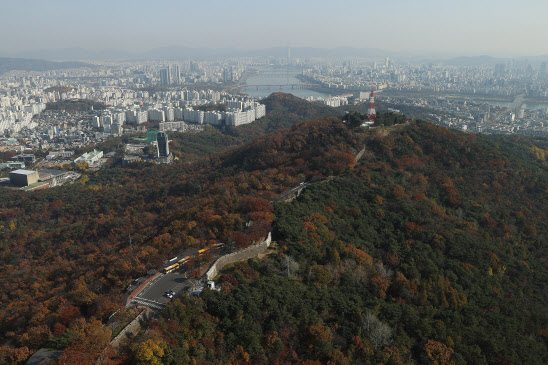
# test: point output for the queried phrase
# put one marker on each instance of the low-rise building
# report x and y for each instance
(12, 165)
(53, 177)
(23, 177)
(90, 157)
(59, 154)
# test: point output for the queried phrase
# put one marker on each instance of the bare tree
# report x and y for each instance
(381, 335)
(289, 265)
(360, 275)
(378, 332)
(369, 320)
(385, 272)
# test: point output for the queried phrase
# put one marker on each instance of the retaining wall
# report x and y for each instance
(132, 327)
(242, 255)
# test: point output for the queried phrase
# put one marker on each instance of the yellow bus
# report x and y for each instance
(183, 260)
(171, 268)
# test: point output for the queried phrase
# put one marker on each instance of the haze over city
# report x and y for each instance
(283, 182)
(430, 28)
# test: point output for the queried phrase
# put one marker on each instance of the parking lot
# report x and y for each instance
(153, 294)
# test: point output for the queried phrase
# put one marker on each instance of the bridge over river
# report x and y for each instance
(516, 104)
(293, 86)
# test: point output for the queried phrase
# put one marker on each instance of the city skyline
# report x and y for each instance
(496, 28)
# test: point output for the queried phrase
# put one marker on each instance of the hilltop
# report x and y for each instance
(281, 102)
(283, 111)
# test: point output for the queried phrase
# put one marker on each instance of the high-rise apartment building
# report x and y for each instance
(164, 76)
(176, 75)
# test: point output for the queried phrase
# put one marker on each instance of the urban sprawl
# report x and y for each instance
(149, 99)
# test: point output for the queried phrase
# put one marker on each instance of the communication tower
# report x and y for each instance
(371, 114)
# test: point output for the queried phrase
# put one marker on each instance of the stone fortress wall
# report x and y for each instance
(242, 255)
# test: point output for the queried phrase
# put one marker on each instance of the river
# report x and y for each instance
(528, 106)
(279, 76)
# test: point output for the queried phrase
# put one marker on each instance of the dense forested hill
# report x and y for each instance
(284, 110)
(72, 106)
(431, 248)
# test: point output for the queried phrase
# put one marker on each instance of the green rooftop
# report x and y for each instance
(34, 186)
(151, 136)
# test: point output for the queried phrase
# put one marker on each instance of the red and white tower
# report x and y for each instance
(371, 114)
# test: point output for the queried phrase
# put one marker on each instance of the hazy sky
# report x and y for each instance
(468, 27)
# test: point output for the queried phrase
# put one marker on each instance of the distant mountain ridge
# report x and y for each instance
(180, 53)
(473, 61)
(183, 52)
(74, 54)
(23, 64)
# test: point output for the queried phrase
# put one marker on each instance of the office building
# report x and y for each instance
(116, 129)
(163, 144)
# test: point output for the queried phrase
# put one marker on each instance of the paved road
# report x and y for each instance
(153, 294)
(190, 252)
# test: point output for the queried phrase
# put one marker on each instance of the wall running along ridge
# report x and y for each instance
(133, 327)
(242, 255)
